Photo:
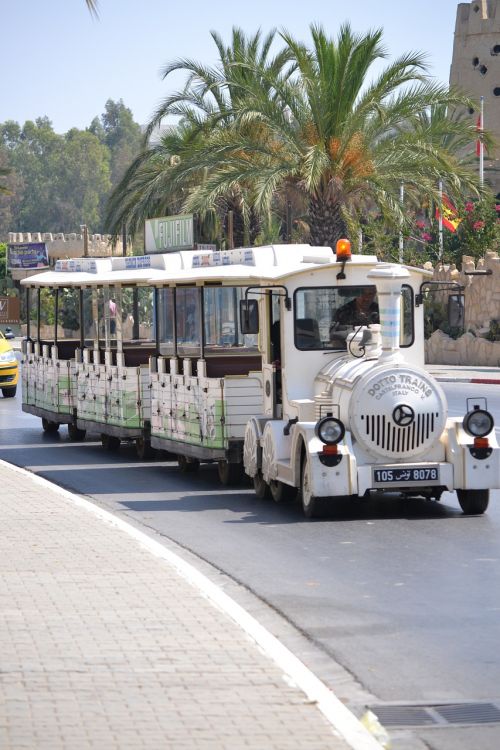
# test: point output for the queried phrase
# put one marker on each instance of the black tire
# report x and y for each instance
(110, 442)
(312, 506)
(473, 502)
(229, 474)
(144, 450)
(49, 426)
(281, 492)
(9, 392)
(261, 487)
(75, 434)
(188, 465)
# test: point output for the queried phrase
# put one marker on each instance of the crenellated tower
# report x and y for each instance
(475, 68)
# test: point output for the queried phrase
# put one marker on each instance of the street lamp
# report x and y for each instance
(84, 229)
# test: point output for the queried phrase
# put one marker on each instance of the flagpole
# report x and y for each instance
(481, 145)
(441, 247)
(401, 238)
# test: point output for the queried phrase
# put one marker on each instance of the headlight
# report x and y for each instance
(330, 430)
(8, 357)
(478, 423)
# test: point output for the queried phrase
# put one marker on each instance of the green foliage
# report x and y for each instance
(494, 331)
(57, 182)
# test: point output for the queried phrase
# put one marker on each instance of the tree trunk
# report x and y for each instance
(325, 222)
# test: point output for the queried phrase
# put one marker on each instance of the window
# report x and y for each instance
(166, 321)
(483, 70)
(222, 323)
(495, 50)
(188, 309)
(325, 316)
(475, 61)
(496, 91)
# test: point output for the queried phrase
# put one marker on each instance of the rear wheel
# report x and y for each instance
(49, 426)
(261, 487)
(9, 392)
(281, 492)
(473, 502)
(229, 473)
(110, 442)
(310, 504)
(188, 465)
(75, 434)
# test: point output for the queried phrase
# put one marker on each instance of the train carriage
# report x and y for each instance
(302, 368)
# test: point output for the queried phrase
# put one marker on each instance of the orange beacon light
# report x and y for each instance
(343, 250)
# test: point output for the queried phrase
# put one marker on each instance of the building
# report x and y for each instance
(475, 69)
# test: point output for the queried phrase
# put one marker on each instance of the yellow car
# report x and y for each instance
(9, 368)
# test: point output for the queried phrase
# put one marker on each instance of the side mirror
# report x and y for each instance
(249, 316)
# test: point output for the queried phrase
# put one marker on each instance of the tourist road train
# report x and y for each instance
(301, 366)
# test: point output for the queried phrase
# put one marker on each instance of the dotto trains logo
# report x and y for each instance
(400, 384)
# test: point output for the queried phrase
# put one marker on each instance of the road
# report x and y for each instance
(405, 596)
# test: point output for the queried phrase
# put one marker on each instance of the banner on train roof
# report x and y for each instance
(27, 255)
(169, 233)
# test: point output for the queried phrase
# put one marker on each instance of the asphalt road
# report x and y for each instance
(404, 595)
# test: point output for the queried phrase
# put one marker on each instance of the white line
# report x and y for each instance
(343, 720)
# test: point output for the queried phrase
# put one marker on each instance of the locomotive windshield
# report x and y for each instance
(325, 315)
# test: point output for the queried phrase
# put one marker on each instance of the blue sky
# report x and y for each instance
(57, 61)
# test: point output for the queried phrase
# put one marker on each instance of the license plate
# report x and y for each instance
(406, 475)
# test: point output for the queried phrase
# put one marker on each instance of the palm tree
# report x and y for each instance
(345, 142)
(92, 6)
(208, 102)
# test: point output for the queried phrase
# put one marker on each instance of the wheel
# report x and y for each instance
(473, 502)
(143, 449)
(110, 442)
(229, 473)
(281, 492)
(310, 504)
(49, 426)
(74, 433)
(188, 465)
(261, 487)
(9, 392)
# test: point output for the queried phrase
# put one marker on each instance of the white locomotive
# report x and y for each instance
(305, 369)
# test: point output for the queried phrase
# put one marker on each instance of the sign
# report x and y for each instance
(169, 233)
(133, 262)
(27, 255)
(76, 265)
(9, 310)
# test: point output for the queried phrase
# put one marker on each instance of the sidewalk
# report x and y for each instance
(105, 644)
(465, 374)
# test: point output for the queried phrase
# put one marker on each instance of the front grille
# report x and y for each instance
(7, 378)
(387, 436)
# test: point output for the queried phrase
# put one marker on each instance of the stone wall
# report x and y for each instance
(482, 305)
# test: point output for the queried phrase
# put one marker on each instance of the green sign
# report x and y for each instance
(169, 233)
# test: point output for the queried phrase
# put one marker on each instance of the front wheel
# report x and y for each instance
(281, 492)
(311, 505)
(75, 434)
(261, 487)
(9, 392)
(110, 442)
(49, 426)
(187, 465)
(473, 502)
(229, 473)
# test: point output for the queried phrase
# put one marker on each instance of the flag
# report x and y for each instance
(479, 128)
(449, 214)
